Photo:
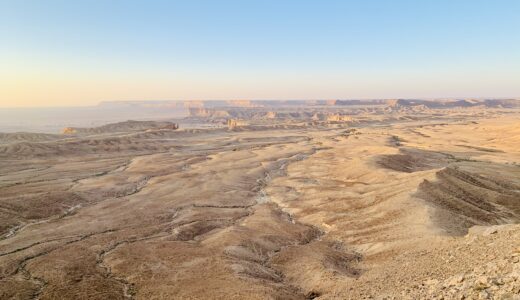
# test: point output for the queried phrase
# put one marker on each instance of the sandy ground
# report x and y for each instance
(374, 209)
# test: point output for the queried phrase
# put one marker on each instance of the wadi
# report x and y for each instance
(325, 199)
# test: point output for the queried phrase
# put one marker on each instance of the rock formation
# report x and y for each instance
(234, 123)
(339, 118)
(126, 126)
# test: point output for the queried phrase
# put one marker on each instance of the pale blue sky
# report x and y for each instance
(82, 52)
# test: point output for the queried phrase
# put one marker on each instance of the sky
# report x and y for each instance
(70, 53)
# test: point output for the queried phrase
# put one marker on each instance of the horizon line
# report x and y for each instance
(268, 99)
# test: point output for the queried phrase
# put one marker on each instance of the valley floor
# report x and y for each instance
(374, 211)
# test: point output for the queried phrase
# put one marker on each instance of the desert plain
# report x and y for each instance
(382, 199)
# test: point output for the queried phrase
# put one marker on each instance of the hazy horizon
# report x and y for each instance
(99, 103)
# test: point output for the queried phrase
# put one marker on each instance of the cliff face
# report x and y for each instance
(227, 104)
(234, 123)
(200, 112)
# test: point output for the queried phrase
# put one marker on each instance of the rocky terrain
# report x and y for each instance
(386, 199)
(128, 126)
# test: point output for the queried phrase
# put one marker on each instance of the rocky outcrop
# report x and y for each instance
(200, 112)
(234, 123)
(69, 130)
(172, 126)
(127, 126)
(497, 276)
(17, 137)
(339, 118)
(319, 117)
(270, 115)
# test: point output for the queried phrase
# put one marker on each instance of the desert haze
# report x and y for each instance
(337, 199)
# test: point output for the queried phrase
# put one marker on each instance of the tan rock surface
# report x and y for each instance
(397, 207)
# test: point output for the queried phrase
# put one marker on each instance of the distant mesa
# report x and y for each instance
(241, 103)
(127, 126)
(362, 102)
(220, 111)
(226, 104)
(456, 103)
(201, 112)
